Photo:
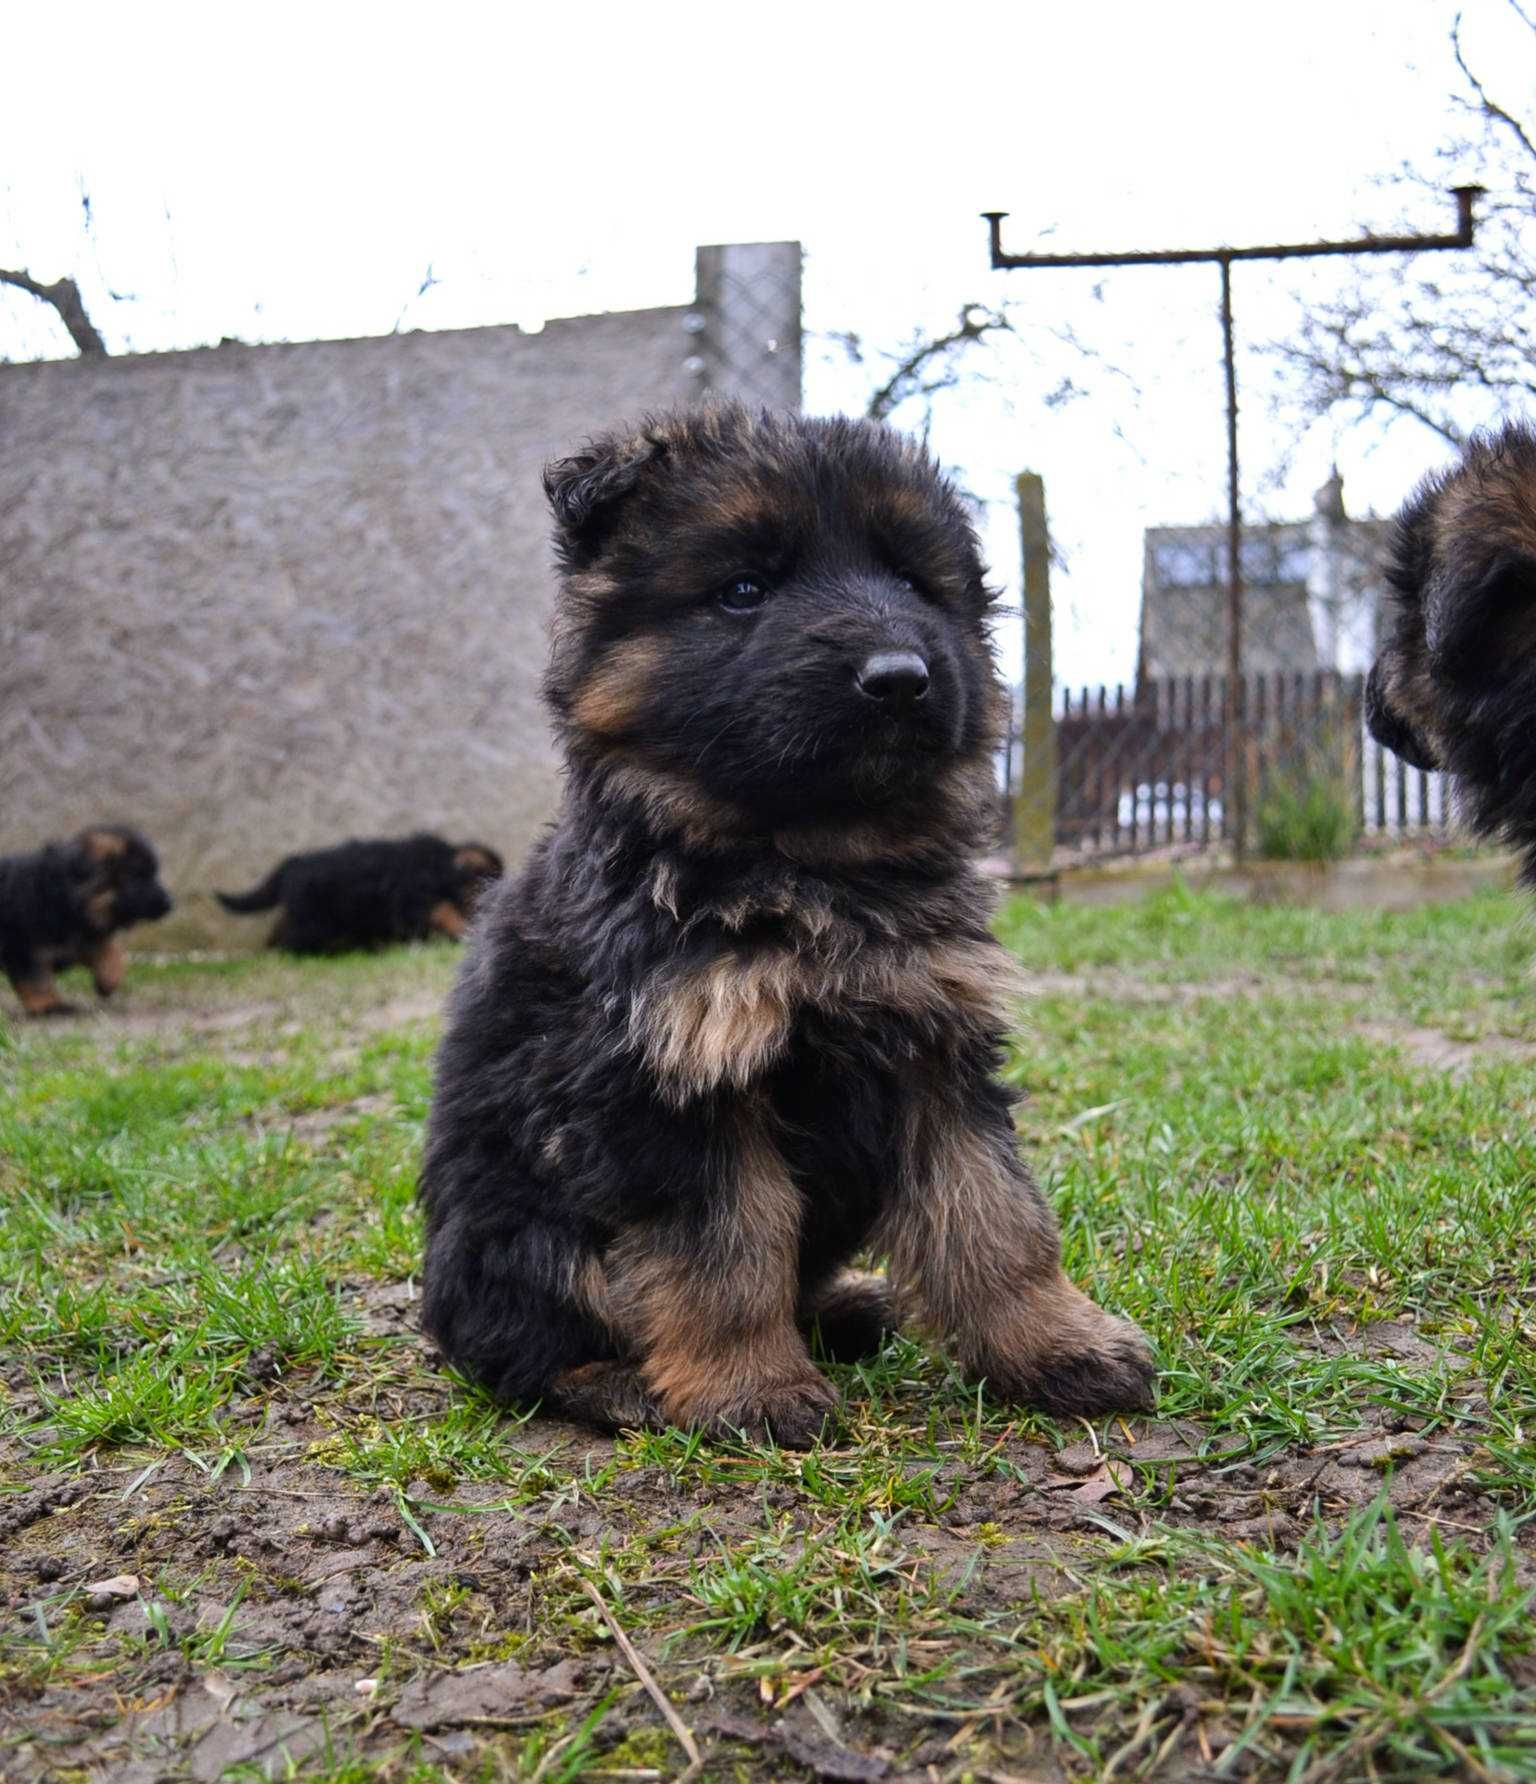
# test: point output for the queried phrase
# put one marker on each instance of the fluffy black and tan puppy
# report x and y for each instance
(64, 906)
(739, 1017)
(1454, 686)
(369, 894)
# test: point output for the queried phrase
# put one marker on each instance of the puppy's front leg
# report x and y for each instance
(709, 1300)
(447, 919)
(107, 966)
(975, 1251)
(34, 986)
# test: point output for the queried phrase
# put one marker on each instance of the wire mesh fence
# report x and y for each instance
(746, 323)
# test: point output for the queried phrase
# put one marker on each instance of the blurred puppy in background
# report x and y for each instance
(372, 893)
(65, 904)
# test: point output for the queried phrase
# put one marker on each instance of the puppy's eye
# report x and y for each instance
(908, 583)
(742, 594)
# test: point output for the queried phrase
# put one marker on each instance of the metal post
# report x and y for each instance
(1236, 801)
(1034, 815)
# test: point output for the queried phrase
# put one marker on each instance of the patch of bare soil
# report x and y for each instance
(1131, 988)
(1438, 1052)
(313, 1124)
(418, 1006)
(175, 1019)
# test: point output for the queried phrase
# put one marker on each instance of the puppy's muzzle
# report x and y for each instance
(1392, 731)
(894, 679)
(142, 904)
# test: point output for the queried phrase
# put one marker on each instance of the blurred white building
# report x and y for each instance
(1312, 591)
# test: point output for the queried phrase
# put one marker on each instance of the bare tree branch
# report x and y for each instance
(910, 377)
(1447, 342)
(930, 364)
(1490, 107)
(64, 296)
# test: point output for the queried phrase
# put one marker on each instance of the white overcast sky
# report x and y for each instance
(280, 172)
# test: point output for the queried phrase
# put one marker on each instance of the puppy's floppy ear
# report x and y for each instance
(585, 489)
(1483, 624)
(476, 858)
(79, 867)
(1464, 553)
(103, 843)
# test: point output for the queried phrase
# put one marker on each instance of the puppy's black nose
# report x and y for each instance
(894, 677)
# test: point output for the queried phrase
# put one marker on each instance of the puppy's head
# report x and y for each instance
(1454, 685)
(475, 866)
(785, 617)
(118, 876)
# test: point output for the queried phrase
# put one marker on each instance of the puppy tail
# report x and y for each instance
(259, 898)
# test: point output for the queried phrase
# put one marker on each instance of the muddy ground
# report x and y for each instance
(329, 1647)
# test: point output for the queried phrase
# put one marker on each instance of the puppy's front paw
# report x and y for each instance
(1115, 1374)
(58, 1008)
(610, 1395)
(1064, 1355)
(790, 1413)
(793, 1416)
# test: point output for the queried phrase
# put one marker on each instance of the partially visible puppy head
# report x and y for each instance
(475, 866)
(118, 876)
(769, 618)
(1454, 685)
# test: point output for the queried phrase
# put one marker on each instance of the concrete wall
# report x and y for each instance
(255, 599)
(259, 598)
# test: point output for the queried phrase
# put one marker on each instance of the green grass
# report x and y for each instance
(1357, 1644)
(1257, 1152)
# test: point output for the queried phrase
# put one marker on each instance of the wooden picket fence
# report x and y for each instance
(1145, 768)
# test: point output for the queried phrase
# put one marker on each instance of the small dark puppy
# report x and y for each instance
(1454, 686)
(64, 905)
(739, 1018)
(369, 894)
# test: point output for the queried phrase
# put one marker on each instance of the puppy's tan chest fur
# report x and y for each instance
(729, 1021)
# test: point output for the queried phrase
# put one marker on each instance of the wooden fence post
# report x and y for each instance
(1034, 807)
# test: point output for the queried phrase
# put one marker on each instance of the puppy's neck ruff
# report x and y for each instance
(741, 939)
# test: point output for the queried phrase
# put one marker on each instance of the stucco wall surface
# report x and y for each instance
(255, 599)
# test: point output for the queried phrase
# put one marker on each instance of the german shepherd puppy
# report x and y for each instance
(369, 894)
(739, 1018)
(1454, 686)
(64, 906)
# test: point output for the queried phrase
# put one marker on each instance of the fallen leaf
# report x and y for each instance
(222, 1690)
(121, 1585)
(1089, 1115)
(1113, 1477)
